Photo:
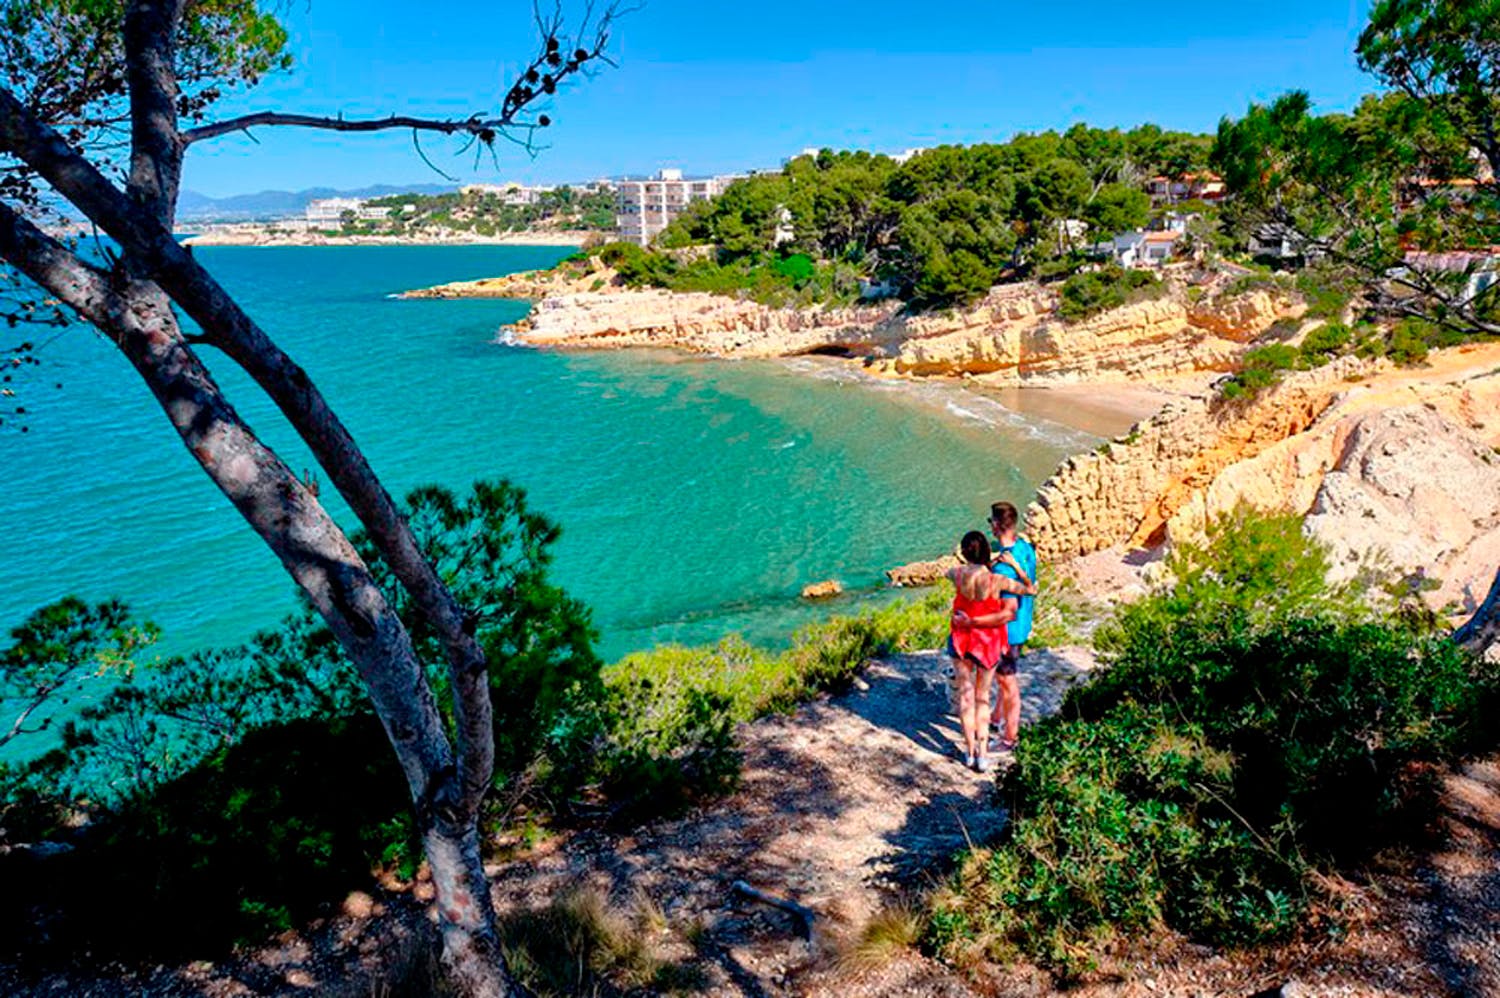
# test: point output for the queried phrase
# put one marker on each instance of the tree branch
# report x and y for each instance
(472, 125)
(139, 320)
(541, 78)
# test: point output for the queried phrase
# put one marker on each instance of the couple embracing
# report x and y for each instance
(989, 627)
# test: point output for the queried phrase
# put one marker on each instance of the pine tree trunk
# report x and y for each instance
(472, 961)
(1482, 631)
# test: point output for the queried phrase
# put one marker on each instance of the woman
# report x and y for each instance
(976, 639)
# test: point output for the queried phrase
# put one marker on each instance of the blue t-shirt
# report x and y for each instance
(1019, 630)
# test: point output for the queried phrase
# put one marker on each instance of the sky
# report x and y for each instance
(715, 87)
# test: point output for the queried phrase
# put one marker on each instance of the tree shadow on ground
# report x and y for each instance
(1459, 935)
(270, 834)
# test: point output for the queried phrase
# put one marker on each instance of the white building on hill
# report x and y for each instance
(514, 193)
(330, 211)
(643, 208)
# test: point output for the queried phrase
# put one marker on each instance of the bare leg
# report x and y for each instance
(964, 671)
(982, 679)
(1010, 705)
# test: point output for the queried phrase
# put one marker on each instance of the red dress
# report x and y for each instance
(983, 645)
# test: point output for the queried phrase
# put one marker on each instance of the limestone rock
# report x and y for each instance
(1398, 464)
(1243, 317)
(1011, 336)
(1411, 485)
(822, 590)
(699, 323)
(921, 573)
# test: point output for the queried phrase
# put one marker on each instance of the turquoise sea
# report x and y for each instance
(696, 496)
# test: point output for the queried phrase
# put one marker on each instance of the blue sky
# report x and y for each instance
(716, 87)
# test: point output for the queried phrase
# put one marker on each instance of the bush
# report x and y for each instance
(1325, 343)
(1089, 294)
(1252, 726)
(1407, 346)
(795, 280)
(1248, 283)
(1327, 291)
(253, 840)
(1260, 368)
(1408, 341)
(670, 711)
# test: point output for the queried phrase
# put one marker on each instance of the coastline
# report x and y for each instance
(261, 237)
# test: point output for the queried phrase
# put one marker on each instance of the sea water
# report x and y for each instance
(696, 496)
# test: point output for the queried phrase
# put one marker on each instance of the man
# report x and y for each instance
(1015, 558)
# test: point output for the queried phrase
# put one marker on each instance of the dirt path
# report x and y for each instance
(845, 805)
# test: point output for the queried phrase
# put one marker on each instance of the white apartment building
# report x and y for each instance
(644, 207)
(330, 211)
(513, 193)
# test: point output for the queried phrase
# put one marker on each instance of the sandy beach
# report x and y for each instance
(1103, 409)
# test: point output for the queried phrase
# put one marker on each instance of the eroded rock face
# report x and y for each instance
(699, 323)
(1130, 490)
(1243, 317)
(1012, 336)
(1400, 462)
(1412, 485)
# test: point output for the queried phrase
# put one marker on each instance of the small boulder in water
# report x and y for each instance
(822, 590)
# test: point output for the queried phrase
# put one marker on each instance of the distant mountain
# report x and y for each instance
(192, 206)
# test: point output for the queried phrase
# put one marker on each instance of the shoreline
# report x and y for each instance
(263, 239)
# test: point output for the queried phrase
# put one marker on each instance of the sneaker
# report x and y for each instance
(1004, 746)
(984, 765)
(968, 760)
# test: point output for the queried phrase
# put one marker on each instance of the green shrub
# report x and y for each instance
(1327, 291)
(669, 714)
(1248, 283)
(1408, 341)
(256, 838)
(1118, 828)
(1260, 368)
(1252, 725)
(1407, 346)
(1089, 294)
(1325, 343)
(797, 268)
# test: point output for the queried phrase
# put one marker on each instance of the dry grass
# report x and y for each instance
(585, 944)
(891, 933)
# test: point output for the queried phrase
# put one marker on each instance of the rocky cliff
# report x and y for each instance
(528, 285)
(1399, 462)
(702, 323)
(1012, 336)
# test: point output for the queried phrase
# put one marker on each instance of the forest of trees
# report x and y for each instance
(949, 223)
